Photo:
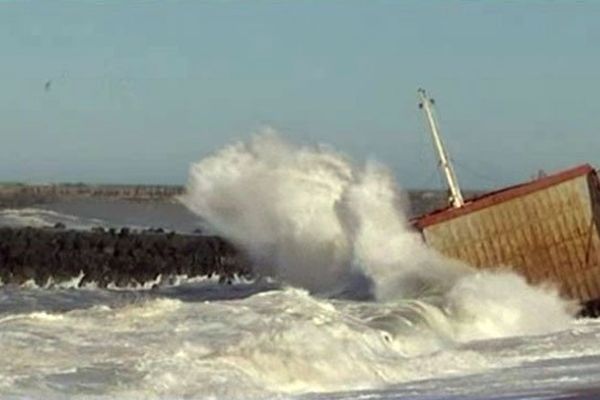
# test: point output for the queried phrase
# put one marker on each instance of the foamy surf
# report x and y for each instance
(310, 217)
(42, 218)
(324, 230)
(262, 346)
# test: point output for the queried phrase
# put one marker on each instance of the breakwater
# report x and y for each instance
(121, 258)
(125, 259)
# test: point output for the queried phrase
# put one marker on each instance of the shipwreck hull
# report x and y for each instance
(547, 230)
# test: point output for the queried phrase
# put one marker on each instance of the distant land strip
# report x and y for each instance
(22, 195)
(18, 195)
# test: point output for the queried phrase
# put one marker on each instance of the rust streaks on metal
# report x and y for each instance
(548, 230)
(503, 195)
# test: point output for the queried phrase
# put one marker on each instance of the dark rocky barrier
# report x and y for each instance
(126, 259)
(123, 258)
(590, 309)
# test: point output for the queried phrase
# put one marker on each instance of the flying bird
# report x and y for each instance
(48, 85)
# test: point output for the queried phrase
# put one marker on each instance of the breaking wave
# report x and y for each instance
(358, 301)
(273, 342)
(310, 217)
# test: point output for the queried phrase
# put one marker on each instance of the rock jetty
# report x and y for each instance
(119, 257)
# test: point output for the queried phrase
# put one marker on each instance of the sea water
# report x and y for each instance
(349, 304)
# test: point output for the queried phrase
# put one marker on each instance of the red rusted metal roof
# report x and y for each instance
(499, 196)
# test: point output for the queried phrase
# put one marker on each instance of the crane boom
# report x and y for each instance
(456, 198)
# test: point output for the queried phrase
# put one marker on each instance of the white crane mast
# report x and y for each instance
(456, 198)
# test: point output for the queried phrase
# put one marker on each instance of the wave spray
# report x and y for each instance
(310, 217)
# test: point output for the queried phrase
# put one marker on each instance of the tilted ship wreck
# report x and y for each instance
(547, 230)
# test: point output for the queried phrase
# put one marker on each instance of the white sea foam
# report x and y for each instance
(313, 219)
(282, 341)
(268, 197)
(160, 281)
(40, 218)
(51, 283)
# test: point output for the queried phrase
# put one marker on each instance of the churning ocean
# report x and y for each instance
(350, 304)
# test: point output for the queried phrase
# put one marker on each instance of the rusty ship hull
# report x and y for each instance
(547, 230)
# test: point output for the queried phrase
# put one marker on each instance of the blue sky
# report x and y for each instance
(139, 90)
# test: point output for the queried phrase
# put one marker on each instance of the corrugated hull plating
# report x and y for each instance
(548, 230)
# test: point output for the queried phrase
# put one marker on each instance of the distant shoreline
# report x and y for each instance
(22, 195)
(18, 195)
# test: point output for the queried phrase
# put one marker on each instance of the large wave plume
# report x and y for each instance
(310, 217)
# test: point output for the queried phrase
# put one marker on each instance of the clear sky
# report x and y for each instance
(139, 90)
